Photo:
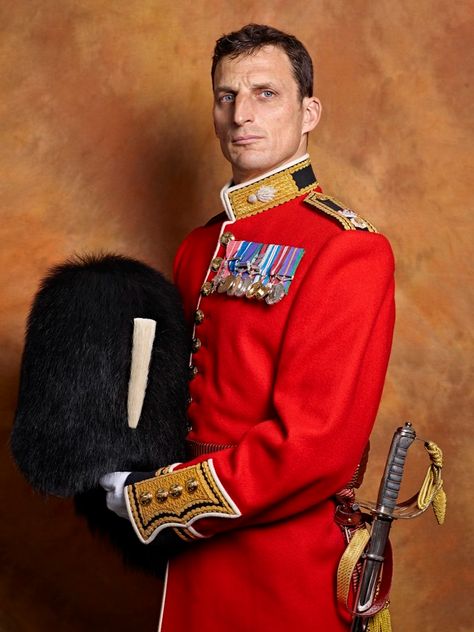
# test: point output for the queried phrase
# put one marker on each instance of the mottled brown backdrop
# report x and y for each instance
(107, 144)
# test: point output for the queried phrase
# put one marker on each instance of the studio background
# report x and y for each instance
(107, 144)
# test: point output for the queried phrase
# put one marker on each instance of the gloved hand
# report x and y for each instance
(114, 485)
(169, 540)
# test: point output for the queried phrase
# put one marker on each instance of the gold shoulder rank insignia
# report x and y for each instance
(332, 207)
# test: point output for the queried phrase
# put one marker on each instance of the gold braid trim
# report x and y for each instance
(185, 535)
(178, 498)
(282, 185)
(348, 219)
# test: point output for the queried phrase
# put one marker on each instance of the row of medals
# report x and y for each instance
(244, 284)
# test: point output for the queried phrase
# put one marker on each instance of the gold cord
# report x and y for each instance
(348, 562)
(431, 491)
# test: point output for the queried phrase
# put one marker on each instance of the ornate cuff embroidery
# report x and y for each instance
(177, 499)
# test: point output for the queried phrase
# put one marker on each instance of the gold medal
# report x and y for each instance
(225, 284)
(253, 288)
(235, 285)
(263, 291)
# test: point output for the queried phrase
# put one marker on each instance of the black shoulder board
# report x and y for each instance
(349, 219)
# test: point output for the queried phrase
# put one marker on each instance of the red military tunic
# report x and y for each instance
(293, 389)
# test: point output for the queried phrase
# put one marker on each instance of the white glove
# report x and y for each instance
(114, 485)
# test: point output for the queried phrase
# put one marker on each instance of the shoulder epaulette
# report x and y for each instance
(349, 219)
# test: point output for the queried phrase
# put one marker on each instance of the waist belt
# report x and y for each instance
(198, 448)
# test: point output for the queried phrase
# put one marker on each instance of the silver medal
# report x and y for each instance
(276, 294)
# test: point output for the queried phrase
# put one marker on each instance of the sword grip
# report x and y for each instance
(386, 501)
(392, 479)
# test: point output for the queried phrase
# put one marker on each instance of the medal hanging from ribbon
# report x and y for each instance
(254, 270)
(284, 273)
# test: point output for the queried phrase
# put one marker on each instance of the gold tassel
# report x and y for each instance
(439, 505)
(380, 622)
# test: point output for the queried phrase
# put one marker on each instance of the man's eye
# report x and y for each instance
(268, 93)
(226, 98)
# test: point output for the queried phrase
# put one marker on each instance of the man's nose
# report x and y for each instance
(243, 110)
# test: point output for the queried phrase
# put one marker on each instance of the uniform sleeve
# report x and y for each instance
(328, 384)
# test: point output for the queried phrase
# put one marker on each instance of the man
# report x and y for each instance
(291, 295)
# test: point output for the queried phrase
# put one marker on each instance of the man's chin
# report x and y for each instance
(250, 166)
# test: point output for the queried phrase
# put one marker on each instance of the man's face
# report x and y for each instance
(259, 117)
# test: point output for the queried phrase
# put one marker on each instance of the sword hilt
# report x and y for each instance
(392, 478)
(386, 502)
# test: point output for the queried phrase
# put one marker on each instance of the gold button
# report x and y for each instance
(215, 263)
(192, 485)
(196, 345)
(176, 490)
(162, 495)
(206, 288)
(198, 316)
(226, 237)
(146, 498)
(193, 371)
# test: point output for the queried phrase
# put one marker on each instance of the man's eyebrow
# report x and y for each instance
(263, 85)
(255, 86)
(223, 89)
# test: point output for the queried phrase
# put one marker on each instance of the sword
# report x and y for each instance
(383, 517)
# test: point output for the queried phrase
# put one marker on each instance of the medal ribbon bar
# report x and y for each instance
(257, 270)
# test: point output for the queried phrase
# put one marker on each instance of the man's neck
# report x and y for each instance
(240, 177)
(259, 174)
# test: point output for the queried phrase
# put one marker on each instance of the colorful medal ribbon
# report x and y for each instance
(288, 268)
(246, 253)
(283, 273)
(261, 271)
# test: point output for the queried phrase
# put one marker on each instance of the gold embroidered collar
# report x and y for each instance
(269, 190)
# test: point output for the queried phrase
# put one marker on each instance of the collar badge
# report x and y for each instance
(264, 194)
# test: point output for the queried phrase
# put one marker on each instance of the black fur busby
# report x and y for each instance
(72, 421)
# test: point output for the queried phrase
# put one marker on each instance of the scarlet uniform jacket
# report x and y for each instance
(284, 397)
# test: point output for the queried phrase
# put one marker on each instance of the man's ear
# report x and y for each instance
(312, 109)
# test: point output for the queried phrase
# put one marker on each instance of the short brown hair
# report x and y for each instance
(253, 37)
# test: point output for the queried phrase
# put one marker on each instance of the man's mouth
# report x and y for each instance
(245, 139)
